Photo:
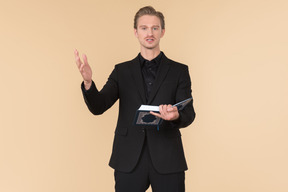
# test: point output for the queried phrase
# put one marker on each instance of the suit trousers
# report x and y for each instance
(144, 174)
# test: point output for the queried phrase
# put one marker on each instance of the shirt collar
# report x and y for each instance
(157, 59)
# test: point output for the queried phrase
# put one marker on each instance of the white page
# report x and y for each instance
(148, 108)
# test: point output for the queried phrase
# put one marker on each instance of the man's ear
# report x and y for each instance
(135, 33)
(162, 32)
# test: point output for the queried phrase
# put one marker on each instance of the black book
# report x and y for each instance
(143, 116)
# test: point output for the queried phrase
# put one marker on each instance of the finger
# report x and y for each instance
(78, 62)
(155, 114)
(165, 109)
(76, 53)
(77, 58)
(161, 109)
(85, 59)
(169, 107)
(81, 68)
(172, 109)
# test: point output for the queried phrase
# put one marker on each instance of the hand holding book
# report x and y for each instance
(153, 115)
(167, 112)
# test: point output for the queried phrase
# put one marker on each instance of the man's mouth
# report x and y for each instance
(149, 40)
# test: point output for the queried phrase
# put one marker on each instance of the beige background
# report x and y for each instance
(237, 55)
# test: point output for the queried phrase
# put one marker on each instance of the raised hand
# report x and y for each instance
(167, 112)
(84, 69)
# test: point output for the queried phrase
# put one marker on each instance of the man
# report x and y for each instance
(144, 155)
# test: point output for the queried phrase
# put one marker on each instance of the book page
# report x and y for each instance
(148, 108)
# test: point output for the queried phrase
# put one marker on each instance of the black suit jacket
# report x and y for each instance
(172, 85)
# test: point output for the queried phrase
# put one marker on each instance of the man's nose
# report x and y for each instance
(150, 31)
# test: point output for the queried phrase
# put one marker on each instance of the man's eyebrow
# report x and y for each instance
(151, 26)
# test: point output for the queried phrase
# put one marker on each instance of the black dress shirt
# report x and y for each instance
(149, 72)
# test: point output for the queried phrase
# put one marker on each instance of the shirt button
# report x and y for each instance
(150, 83)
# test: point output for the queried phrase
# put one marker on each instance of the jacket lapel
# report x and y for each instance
(161, 74)
(137, 76)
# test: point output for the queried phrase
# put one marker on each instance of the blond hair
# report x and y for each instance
(149, 10)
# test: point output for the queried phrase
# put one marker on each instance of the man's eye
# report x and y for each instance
(155, 28)
(143, 28)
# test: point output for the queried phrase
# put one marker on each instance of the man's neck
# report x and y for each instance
(150, 54)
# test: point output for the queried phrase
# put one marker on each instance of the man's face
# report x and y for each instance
(149, 31)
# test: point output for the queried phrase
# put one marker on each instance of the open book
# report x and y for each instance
(143, 116)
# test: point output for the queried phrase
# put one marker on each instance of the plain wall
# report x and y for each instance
(236, 51)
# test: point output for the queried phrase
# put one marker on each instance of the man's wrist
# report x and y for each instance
(176, 120)
(87, 84)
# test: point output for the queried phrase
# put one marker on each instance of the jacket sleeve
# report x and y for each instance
(99, 101)
(187, 115)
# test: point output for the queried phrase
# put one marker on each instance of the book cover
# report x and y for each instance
(143, 116)
(182, 104)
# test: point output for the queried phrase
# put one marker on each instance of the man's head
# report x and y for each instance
(148, 10)
(149, 28)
